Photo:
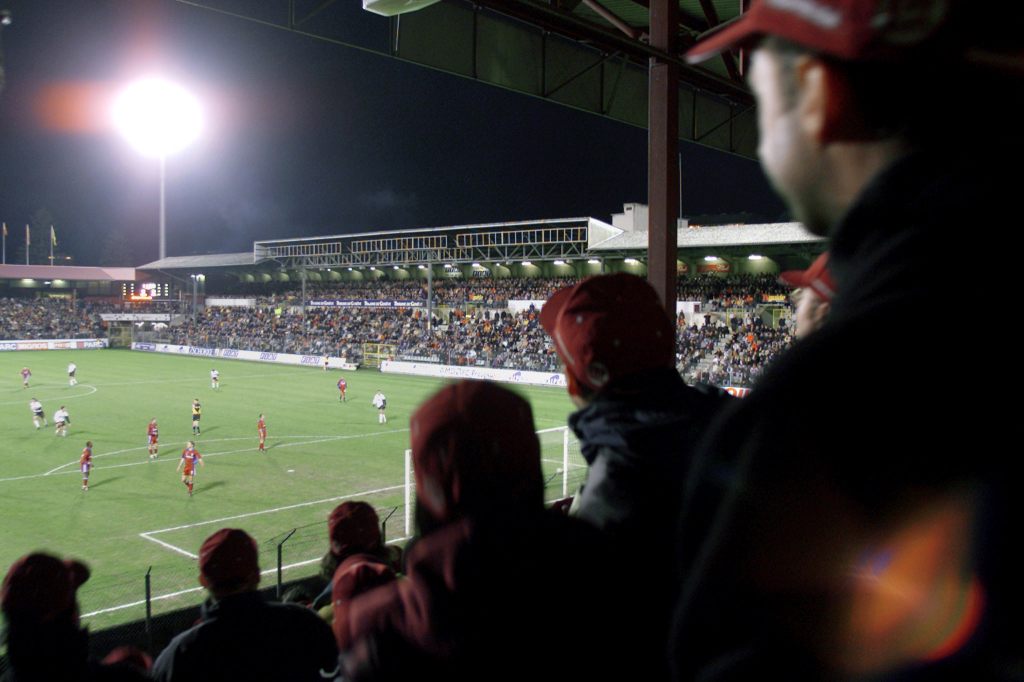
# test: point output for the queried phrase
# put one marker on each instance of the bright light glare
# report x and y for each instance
(157, 117)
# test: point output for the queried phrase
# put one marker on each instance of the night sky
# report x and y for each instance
(303, 138)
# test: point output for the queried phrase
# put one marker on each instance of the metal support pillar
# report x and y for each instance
(662, 144)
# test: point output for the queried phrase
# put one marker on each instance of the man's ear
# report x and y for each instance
(826, 102)
(820, 313)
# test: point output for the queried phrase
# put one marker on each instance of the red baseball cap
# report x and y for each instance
(851, 30)
(475, 452)
(608, 327)
(355, 575)
(41, 588)
(817, 278)
(228, 559)
(353, 526)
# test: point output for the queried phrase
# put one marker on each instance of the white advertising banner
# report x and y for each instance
(55, 344)
(135, 317)
(249, 355)
(507, 376)
(231, 302)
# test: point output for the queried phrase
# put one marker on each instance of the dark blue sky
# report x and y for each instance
(304, 138)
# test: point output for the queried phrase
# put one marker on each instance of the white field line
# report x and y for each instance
(572, 465)
(274, 510)
(169, 546)
(55, 398)
(312, 440)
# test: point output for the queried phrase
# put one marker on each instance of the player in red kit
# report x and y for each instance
(189, 457)
(342, 385)
(152, 432)
(85, 462)
(26, 374)
(261, 429)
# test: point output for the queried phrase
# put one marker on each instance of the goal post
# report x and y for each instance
(562, 465)
(375, 353)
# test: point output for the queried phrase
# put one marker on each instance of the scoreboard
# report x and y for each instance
(145, 291)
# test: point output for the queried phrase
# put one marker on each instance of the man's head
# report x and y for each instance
(229, 563)
(475, 454)
(846, 87)
(40, 589)
(814, 291)
(354, 527)
(607, 328)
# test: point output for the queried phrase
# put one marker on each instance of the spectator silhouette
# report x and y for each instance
(476, 599)
(241, 635)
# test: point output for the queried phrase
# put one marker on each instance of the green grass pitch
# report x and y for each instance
(137, 514)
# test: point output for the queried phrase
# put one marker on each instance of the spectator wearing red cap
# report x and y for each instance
(353, 527)
(825, 463)
(814, 291)
(240, 635)
(637, 424)
(475, 600)
(43, 636)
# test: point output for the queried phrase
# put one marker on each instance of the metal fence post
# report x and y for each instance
(279, 553)
(384, 524)
(149, 610)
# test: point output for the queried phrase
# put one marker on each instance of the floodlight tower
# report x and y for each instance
(158, 118)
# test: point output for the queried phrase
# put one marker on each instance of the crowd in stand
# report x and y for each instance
(470, 327)
(46, 318)
(728, 352)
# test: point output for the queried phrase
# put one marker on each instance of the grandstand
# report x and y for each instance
(463, 295)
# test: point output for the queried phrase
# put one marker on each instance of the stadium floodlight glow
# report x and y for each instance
(631, 261)
(476, 265)
(372, 268)
(394, 267)
(755, 256)
(422, 267)
(594, 261)
(350, 269)
(559, 262)
(527, 263)
(159, 119)
(710, 258)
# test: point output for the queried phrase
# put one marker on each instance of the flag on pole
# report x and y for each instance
(28, 237)
(53, 236)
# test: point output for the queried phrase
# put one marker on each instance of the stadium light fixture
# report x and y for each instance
(593, 261)
(630, 261)
(159, 119)
(476, 265)
(394, 267)
(710, 258)
(422, 267)
(755, 256)
(559, 262)
(372, 268)
(527, 263)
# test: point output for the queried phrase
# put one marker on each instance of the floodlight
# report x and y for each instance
(157, 117)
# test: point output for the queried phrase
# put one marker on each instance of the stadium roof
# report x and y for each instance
(67, 272)
(213, 260)
(711, 236)
(590, 55)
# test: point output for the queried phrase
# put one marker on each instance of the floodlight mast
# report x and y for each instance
(158, 118)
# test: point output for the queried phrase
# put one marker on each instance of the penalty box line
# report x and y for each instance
(148, 535)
